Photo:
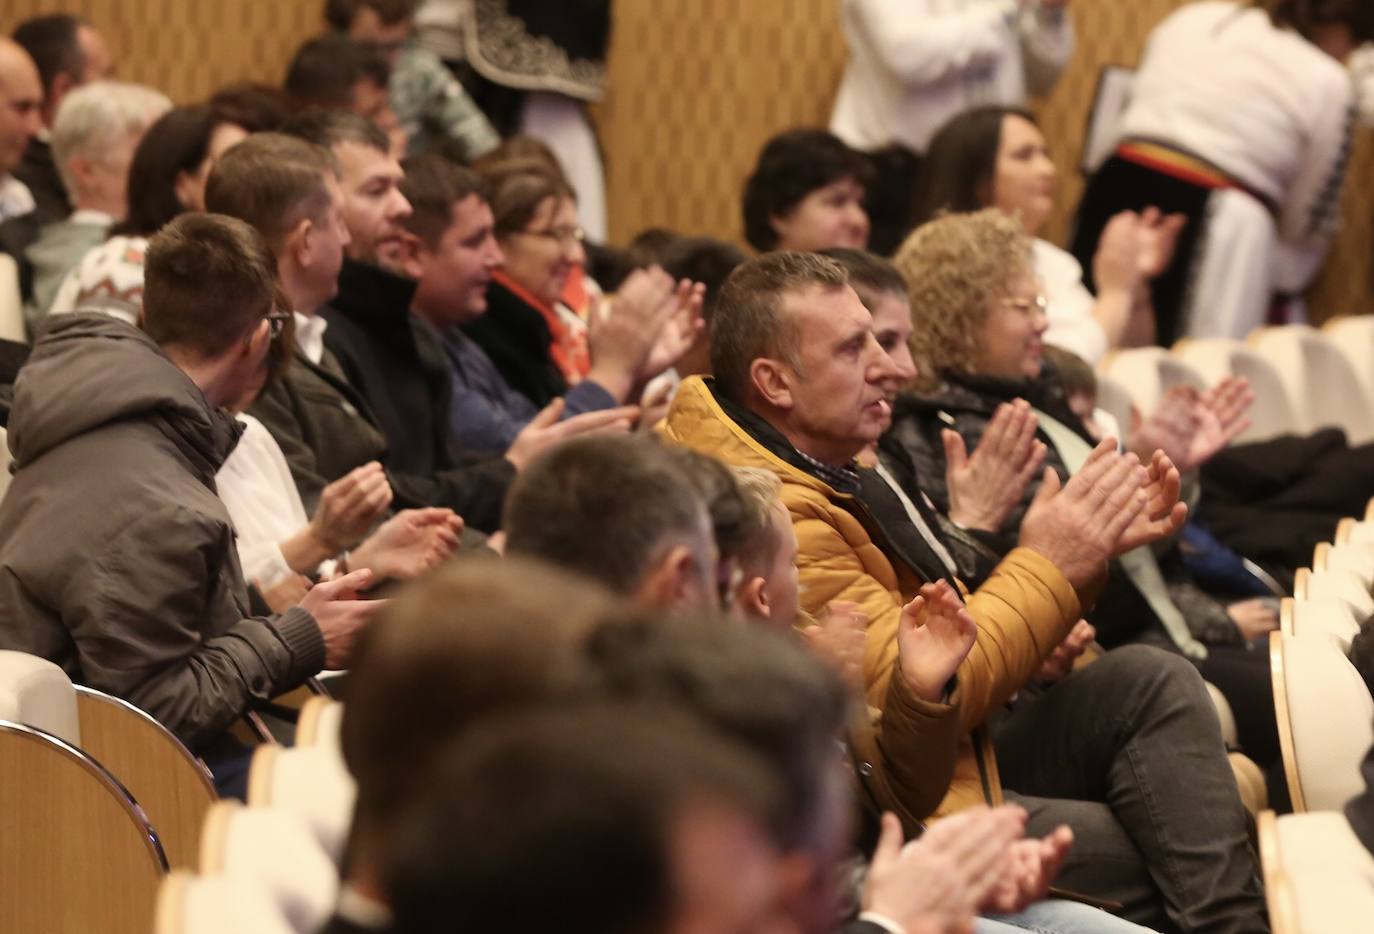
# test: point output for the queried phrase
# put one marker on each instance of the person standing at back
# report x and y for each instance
(914, 65)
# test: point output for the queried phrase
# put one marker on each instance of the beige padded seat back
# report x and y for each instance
(309, 782)
(1353, 336)
(1325, 714)
(188, 904)
(1115, 400)
(11, 301)
(35, 692)
(6, 458)
(1322, 617)
(1355, 558)
(1342, 585)
(319, 723)
(276, 851)
(1136, 370)
(1318, 378)
(1215, 358)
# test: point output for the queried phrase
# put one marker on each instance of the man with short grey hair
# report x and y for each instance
(93, 140)
(68, 53)
(802, 389)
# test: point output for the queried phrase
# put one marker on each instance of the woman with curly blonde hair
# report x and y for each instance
(978, 322)
(960, 272)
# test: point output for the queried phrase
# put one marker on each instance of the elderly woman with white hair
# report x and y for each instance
(97, 129)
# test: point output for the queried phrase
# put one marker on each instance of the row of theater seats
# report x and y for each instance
(102, 802)
(272, 867)
(1318, 876)
(1303, 378)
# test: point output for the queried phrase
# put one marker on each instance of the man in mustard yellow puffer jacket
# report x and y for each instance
(1130, 754)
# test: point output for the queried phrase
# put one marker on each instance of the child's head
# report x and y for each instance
(1078, 379)
(767, 558)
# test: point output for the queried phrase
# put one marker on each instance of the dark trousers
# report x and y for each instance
(1128, 753)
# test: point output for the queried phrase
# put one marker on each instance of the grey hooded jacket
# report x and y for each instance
(117, 557)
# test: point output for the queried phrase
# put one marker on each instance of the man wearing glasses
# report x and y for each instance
(118, 561)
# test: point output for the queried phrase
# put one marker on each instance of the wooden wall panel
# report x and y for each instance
(188, 48)
(696, 86)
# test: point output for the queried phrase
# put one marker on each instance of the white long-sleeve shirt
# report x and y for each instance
(256, 488)
(914, 64)
(1271, 110)
(1069, 305)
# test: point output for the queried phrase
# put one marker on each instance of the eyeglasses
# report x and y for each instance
(563, 236)
(1028, 306)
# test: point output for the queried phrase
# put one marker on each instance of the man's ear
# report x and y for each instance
(62, 82)
(409, 254)
(79, 168)
(297, 243)
(672, 582)
(780, 224)
(772, 382)
(752, 598)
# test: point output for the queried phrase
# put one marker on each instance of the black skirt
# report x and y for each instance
(1120, 185)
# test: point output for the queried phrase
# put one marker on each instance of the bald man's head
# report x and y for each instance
(21, 102)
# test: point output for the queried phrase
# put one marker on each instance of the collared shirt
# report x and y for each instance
(843, 479)
(310, 336)
(15, 198)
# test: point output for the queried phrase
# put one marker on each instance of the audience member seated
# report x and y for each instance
(997, 157)
(537, 344)
(117, 435)
(452, 253)
(281, 550)
(21, 120)
(1185, 424)
(708, 262)
(289, 190)
(258, 108)
(432, 108)
(581, 288)
(806, 193)
(627, 512)
(333, 72)
(475, 639)
(619, 818)
(978, 324)
(68, 53)
(621, 511)
(753, 687)
(93, 142)
(394, 370)
(800, 389)
(912, 67)
(166, 178)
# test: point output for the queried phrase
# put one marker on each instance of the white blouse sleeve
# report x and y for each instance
(1073, 325)
(919, 47)
(1311, 207)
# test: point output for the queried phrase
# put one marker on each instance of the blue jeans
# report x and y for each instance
(1057, 916)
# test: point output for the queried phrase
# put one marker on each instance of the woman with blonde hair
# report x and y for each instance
(979, 324)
